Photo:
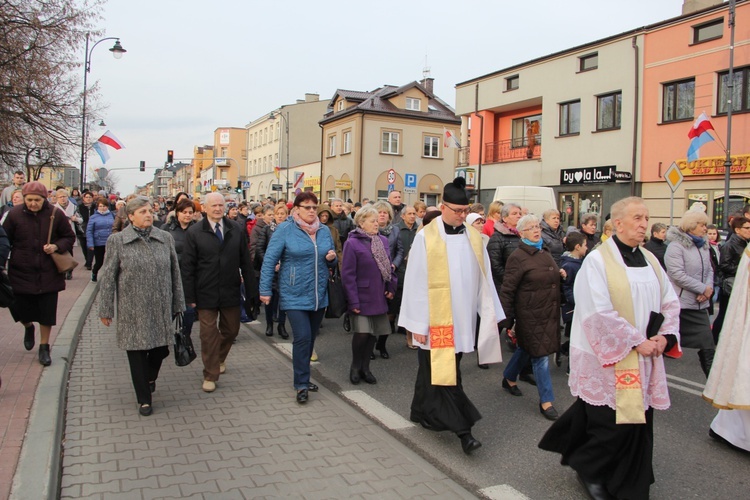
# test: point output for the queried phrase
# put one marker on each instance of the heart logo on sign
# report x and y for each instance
(578, 176)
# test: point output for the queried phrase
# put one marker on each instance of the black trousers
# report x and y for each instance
(98, 253)
(87, 255)
(144, 368)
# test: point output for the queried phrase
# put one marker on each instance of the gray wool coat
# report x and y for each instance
(689, 268)
(145, 278)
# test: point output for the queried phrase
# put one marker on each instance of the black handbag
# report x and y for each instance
(7, 297)
(184, 353)
(336, 296)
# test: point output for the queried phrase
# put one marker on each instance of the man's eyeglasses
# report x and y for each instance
(308, 207)
(744, 227)
(458, 211)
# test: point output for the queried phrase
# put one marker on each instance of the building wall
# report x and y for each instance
(670, 56)
(544, 85)
(367, 167)
(234, 149)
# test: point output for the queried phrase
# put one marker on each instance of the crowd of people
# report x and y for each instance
(454, 279)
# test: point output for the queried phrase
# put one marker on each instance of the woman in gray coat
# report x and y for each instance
(688, 262)
(142, 266)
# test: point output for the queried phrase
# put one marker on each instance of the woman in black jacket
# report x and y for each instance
(177, 227)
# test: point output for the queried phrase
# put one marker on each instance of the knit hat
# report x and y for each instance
(472, 218)
(455, 192)
(34, 187)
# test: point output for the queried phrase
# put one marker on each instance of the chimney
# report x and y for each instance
(312, 97)
(427, 83)
(689, 6)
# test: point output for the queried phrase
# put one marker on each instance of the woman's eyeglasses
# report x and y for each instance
(308, 207)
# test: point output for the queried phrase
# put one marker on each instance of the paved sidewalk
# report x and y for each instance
(249, 439)
(21, 371)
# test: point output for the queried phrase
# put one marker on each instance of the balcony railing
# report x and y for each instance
(513, 150)
(463, 157)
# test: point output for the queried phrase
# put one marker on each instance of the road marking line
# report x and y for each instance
(377, 410)
(503, 492)
(686, 381)
(685, 389)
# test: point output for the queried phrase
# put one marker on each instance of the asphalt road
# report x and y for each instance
(687, 462)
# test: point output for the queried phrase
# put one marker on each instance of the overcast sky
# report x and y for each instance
(193, 66)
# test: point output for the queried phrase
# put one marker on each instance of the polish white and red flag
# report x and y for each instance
(699, 136)
(110, 140)
(449, 139)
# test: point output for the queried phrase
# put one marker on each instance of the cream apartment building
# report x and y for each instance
(566, 120)
(389, 138)
(283, 150)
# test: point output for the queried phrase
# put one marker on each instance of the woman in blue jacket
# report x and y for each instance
(97, 231)
(305, 250)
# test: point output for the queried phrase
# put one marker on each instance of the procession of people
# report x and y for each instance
(623, 307)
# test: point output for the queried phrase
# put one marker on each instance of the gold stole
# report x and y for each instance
(442, 341)
(628, 389)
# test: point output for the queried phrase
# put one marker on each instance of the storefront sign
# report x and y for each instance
(313, 182)
(587, 175)
(342, 184)
(714, 165)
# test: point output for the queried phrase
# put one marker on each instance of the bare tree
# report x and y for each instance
(40, 89)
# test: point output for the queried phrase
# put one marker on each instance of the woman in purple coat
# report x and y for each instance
(369, 280)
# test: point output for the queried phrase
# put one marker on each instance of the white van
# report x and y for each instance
(536, 198)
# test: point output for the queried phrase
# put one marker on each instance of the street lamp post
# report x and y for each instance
(272, 117)
(117, 52)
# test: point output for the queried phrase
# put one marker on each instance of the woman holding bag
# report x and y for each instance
(32, 272)
(142, 260)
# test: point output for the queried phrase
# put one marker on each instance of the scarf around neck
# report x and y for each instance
(378, 251)
(699, 242)
(537, 245)
(310, 229)
(386, 231)
(144, 232)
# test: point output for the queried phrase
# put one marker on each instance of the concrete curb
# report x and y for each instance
(38, 471)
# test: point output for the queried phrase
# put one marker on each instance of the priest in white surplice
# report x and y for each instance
(728, 385)
(626, 317)
(447, 283)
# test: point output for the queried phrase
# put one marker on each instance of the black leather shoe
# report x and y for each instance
(354, 376)
(529, 379)
(282, 331)
(384, 354)
(469, 444)
(368, 377)
(558, 359)
(597, 491)
(28, 337)
(483, 366)
(347, 323)
(145, 410)
(550, 413)
(372, 356)
(513, 389)
(302, 396)
(312, 387)
(44, 358)
(269, 329)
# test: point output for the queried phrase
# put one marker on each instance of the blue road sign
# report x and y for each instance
(410, 180)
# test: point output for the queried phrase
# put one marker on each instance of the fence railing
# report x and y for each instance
(513, 150)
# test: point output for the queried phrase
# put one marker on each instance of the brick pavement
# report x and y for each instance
(20, 371)
(249, 439)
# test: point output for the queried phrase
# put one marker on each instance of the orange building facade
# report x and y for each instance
(685, 66)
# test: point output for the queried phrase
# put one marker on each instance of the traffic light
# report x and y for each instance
(239, 186)
(170, 156)
(142, 168)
